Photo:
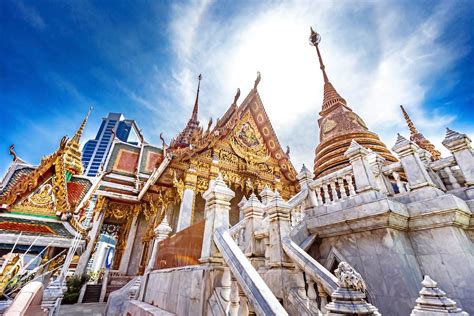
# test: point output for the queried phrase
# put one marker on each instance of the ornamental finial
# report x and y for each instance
(196, 102)
(257, 80)
(315, 39)
(411, 126)
(11, 149)
(236, 97)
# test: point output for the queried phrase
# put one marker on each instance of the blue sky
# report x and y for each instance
(142, 58)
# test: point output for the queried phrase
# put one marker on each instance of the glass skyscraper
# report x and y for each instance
(95, 151)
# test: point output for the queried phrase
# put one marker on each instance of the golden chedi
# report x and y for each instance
(338, 126)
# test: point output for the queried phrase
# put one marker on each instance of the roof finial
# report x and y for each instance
(314, 40)
(257, 80)
(11, 149)
(196, 103)
(77, 136)
(411, 126)
(331, 97)
(236, 97)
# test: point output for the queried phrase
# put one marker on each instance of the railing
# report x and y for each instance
(333, 187)
(255, 289)
(449, 173)
(182, 249)
(310, 266)
(393, 177)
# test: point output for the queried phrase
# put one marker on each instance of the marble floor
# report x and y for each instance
(90, 309)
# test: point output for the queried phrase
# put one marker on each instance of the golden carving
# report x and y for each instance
(247, 143)
(60, 187)
(179, 185)
(30, 181)
(41, 202)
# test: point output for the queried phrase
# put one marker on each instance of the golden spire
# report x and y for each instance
(331, 96)
(418, 137)
(194, 117)
(77, 136)
(72, 155)
(339, 126)
(411, 126)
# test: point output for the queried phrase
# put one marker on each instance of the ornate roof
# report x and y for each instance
(32, 226)
(339, 125)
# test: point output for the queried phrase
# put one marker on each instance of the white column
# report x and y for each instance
(460, 146)
(415, 170)
(216, 212)
(125, 260)
(279, 215)
(93, 235)
(187, 203)
(363, 175)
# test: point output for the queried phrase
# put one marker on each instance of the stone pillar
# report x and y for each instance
(363, 175)
(279, 219)
(187, 203)
(125, 260)
(415, 170)
(216, 212)
(305, 177)
(377, 162)
(266, 195)
(460, 146)
(100, 209)
(253, 212)
(240, 205)
(162, 232)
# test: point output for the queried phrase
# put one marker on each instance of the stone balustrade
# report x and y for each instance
(393, 175)
(333, 187)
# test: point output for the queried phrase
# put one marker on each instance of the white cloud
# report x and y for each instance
(375, 64)
(30, 15)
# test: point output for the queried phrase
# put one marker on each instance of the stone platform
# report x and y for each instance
(90, 309)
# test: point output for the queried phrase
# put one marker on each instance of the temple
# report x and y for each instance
(219, 222)
(42, 208)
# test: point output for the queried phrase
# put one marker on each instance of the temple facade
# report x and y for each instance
(218, 221)
(41, 213)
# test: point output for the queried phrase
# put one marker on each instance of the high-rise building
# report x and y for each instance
(95, 151)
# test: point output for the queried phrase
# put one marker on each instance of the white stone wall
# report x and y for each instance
(387, 262)
(182, 291)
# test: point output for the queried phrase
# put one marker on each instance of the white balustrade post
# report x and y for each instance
(318, 195)
(253, 212)
(335, 197)
(216, 211)
(234, 299)
(279, 216)
(305, 177)
(342, 189)
(350, 186)
(327, 198)
(266, 195)
(415, 170)
(452, 179)
(363, 175)
(460, 146)
(400, 186)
